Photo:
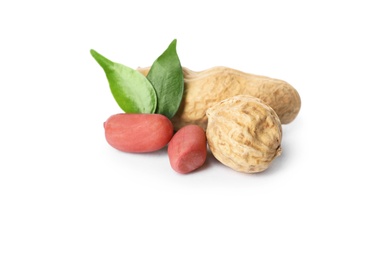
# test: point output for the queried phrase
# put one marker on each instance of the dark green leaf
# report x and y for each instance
(132, 91)
(166, 76)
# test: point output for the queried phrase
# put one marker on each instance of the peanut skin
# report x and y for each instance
(138, 133)
(187, 150)
(206, 88)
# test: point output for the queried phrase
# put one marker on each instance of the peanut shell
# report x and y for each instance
(206, 88)
(244, 133)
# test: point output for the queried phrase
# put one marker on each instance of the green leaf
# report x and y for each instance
(132, 91)
(166, 76)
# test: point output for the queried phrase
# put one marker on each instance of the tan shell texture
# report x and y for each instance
(244, 134)
(208, 87)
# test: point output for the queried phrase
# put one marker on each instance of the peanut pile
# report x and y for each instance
(239, 116)
(241, 113)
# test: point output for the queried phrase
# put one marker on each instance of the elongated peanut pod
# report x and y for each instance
(206, 88)
(187, 150)
(138, 133)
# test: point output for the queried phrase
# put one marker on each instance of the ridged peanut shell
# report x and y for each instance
(206, 88)
(244, 133)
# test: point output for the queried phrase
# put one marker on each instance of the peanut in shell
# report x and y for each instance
(206, 88)
(244, 133)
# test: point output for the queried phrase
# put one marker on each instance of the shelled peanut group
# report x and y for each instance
(238, 115)
(142, 133)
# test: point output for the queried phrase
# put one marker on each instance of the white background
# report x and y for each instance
(66, 194)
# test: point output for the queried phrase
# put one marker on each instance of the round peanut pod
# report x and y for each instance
(206, 88)
(244, 133)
